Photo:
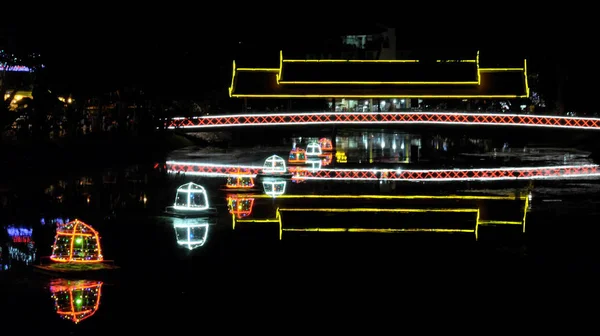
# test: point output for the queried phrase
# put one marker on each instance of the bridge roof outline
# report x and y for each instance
(455, 79)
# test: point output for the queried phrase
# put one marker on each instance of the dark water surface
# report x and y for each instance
(250, 271)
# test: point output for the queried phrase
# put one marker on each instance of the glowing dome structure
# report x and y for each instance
(191, 197)
(297, 155)
(240, 180)
(313, 149)
(191, 233)
(274, 165)
(76, 300)
(325, 144)
(77, 242)
(274, 186)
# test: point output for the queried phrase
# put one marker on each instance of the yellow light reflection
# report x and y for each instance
(478, 221)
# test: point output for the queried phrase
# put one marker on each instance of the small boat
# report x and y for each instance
(191, 200)
(274, 166)
(76, 251)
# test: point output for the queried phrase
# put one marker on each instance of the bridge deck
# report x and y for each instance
(382, 118)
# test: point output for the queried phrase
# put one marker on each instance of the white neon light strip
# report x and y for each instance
(334, 114)
(380, 172)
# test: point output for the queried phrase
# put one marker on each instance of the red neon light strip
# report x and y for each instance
(301, 173)
(384, 118)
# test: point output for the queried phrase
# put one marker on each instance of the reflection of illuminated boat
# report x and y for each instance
(326, 159)
(191, 233)
(240, 207)
(297, 155)
(77, 250)
(313, 164)
(191, 200)
(274, 187)
(76, 300)
(274, 166)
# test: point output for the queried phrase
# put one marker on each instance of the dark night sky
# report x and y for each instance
(188, 58)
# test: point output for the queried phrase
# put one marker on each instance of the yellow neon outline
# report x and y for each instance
(478, 221)
(382, 83)
(278, 77)
(525, 213)
(279, 74)
(376, 96)
(281, 229)
(231, 87)
(526, 79)
(369, 230)
(281, 61)
(478, 69)
(259, 69)
(459, 61)
(347, 61)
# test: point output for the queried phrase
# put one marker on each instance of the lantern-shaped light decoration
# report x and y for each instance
(313, 149)
(191, 196)
(240, 180)
(297, 155)
(325, 144)
(78, 242)
(76, 300)
(274, 165)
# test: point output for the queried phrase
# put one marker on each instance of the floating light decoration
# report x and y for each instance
(326, 144)
(297, 155)
(77, 242)
(313, 149)
(191, 196)
(274, 165)
(240, 180)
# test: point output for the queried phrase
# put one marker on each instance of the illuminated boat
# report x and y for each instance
(240, 180)
(274, 166)
(325, 144)
(76, 249)
(297, 156)
(313, 149)
(191, 200)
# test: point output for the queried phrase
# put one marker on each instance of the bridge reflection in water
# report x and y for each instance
(398, 213)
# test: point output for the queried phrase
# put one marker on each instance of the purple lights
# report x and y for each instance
(14, 231)
(15, 68)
